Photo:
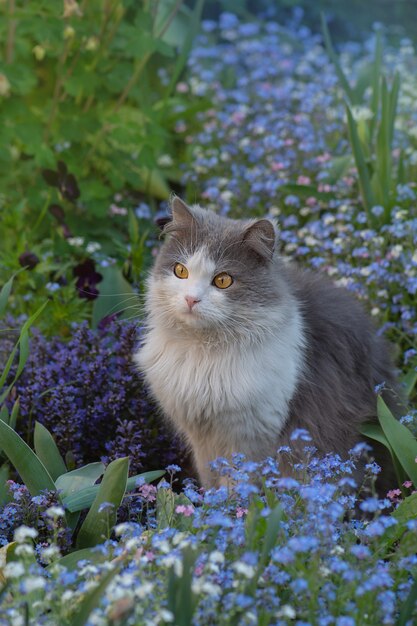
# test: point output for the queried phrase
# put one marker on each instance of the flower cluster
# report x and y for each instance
(87, 392)
(294, 549)
(275, 142)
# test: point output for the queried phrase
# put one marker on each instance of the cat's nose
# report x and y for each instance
(191, 301)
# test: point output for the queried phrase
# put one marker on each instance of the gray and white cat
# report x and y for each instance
(242, 347)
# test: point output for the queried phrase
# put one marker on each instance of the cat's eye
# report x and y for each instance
(180, 270)
(223, 280)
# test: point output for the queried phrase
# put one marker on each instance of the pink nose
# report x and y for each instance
(191, 301)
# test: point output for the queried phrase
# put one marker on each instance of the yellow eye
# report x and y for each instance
(223, 280)
(180, 270)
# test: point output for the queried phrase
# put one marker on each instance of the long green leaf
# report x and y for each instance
(97, 525)
(181, 599)
(393, 103)
(374, 431)
(14, 414)
(47, 451)
(400, 438)
(4, 492)
(333, 57)
(71, 483)
(364, 180)
(5, 293)
(409, 606)
(92, 599)
(22, 357)
(376, 82)
(71, 560)
(409, 381)
(31, 470)
(84, 498)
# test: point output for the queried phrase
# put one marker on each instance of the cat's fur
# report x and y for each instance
(281, 348)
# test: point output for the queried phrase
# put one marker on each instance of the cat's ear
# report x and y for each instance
(181, 217)
(182, 214)
(260, 236)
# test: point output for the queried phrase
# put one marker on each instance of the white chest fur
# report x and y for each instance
(235, 394)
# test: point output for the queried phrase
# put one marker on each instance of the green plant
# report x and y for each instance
(371, 130)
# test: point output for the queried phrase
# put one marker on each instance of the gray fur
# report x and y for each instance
(336, 357)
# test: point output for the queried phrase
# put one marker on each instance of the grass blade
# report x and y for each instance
(338, 68)
(47, 451)
(376, 82)
(364, 180)
(409, 381)
(30, 469)
(408, 608)
(5, 293)
(97, 525)
(400, 438)
(22, 357)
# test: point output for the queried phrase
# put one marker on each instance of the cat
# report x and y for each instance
(241, 346)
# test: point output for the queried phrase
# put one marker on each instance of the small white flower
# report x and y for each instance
(144, 590)
(32, 583)
(165, 160)
(76, 241)
(92, 247)
(166, 615)
(55, 512)
(244, 569)
(216, 557)
(23, 533)
(287, 611)
(14, 569)
(24, 549)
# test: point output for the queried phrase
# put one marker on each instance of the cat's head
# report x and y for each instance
(213, 272)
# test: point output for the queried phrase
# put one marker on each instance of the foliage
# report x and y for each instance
(89, 104)
(87, 393)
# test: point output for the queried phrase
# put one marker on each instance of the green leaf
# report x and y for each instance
(70, 483)
(71, 560)
(165, 507)
(364, 180)
(409, 381)
(5, 293)
(374, 431)
(400, 438)
(408, 608)
(30, 469)
(97, 525)
(114, 289)
(47, 451)
(84, 498)
(376, 82)
(22, 357)
(92, 599)
(181, 599)
(14, 414)
(333, 57)
(406, 510)
(4, 491)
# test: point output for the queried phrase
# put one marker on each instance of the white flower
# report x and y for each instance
(76, 241)
(165, 160)
(55, 512)
(144, 590)
(216, 557)
(287, 611)
(362, 113)
(92, 247)
(24, 549)
(245, 569)
(23, 533)
(32, 583)
(14, 569)
(166, 615)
